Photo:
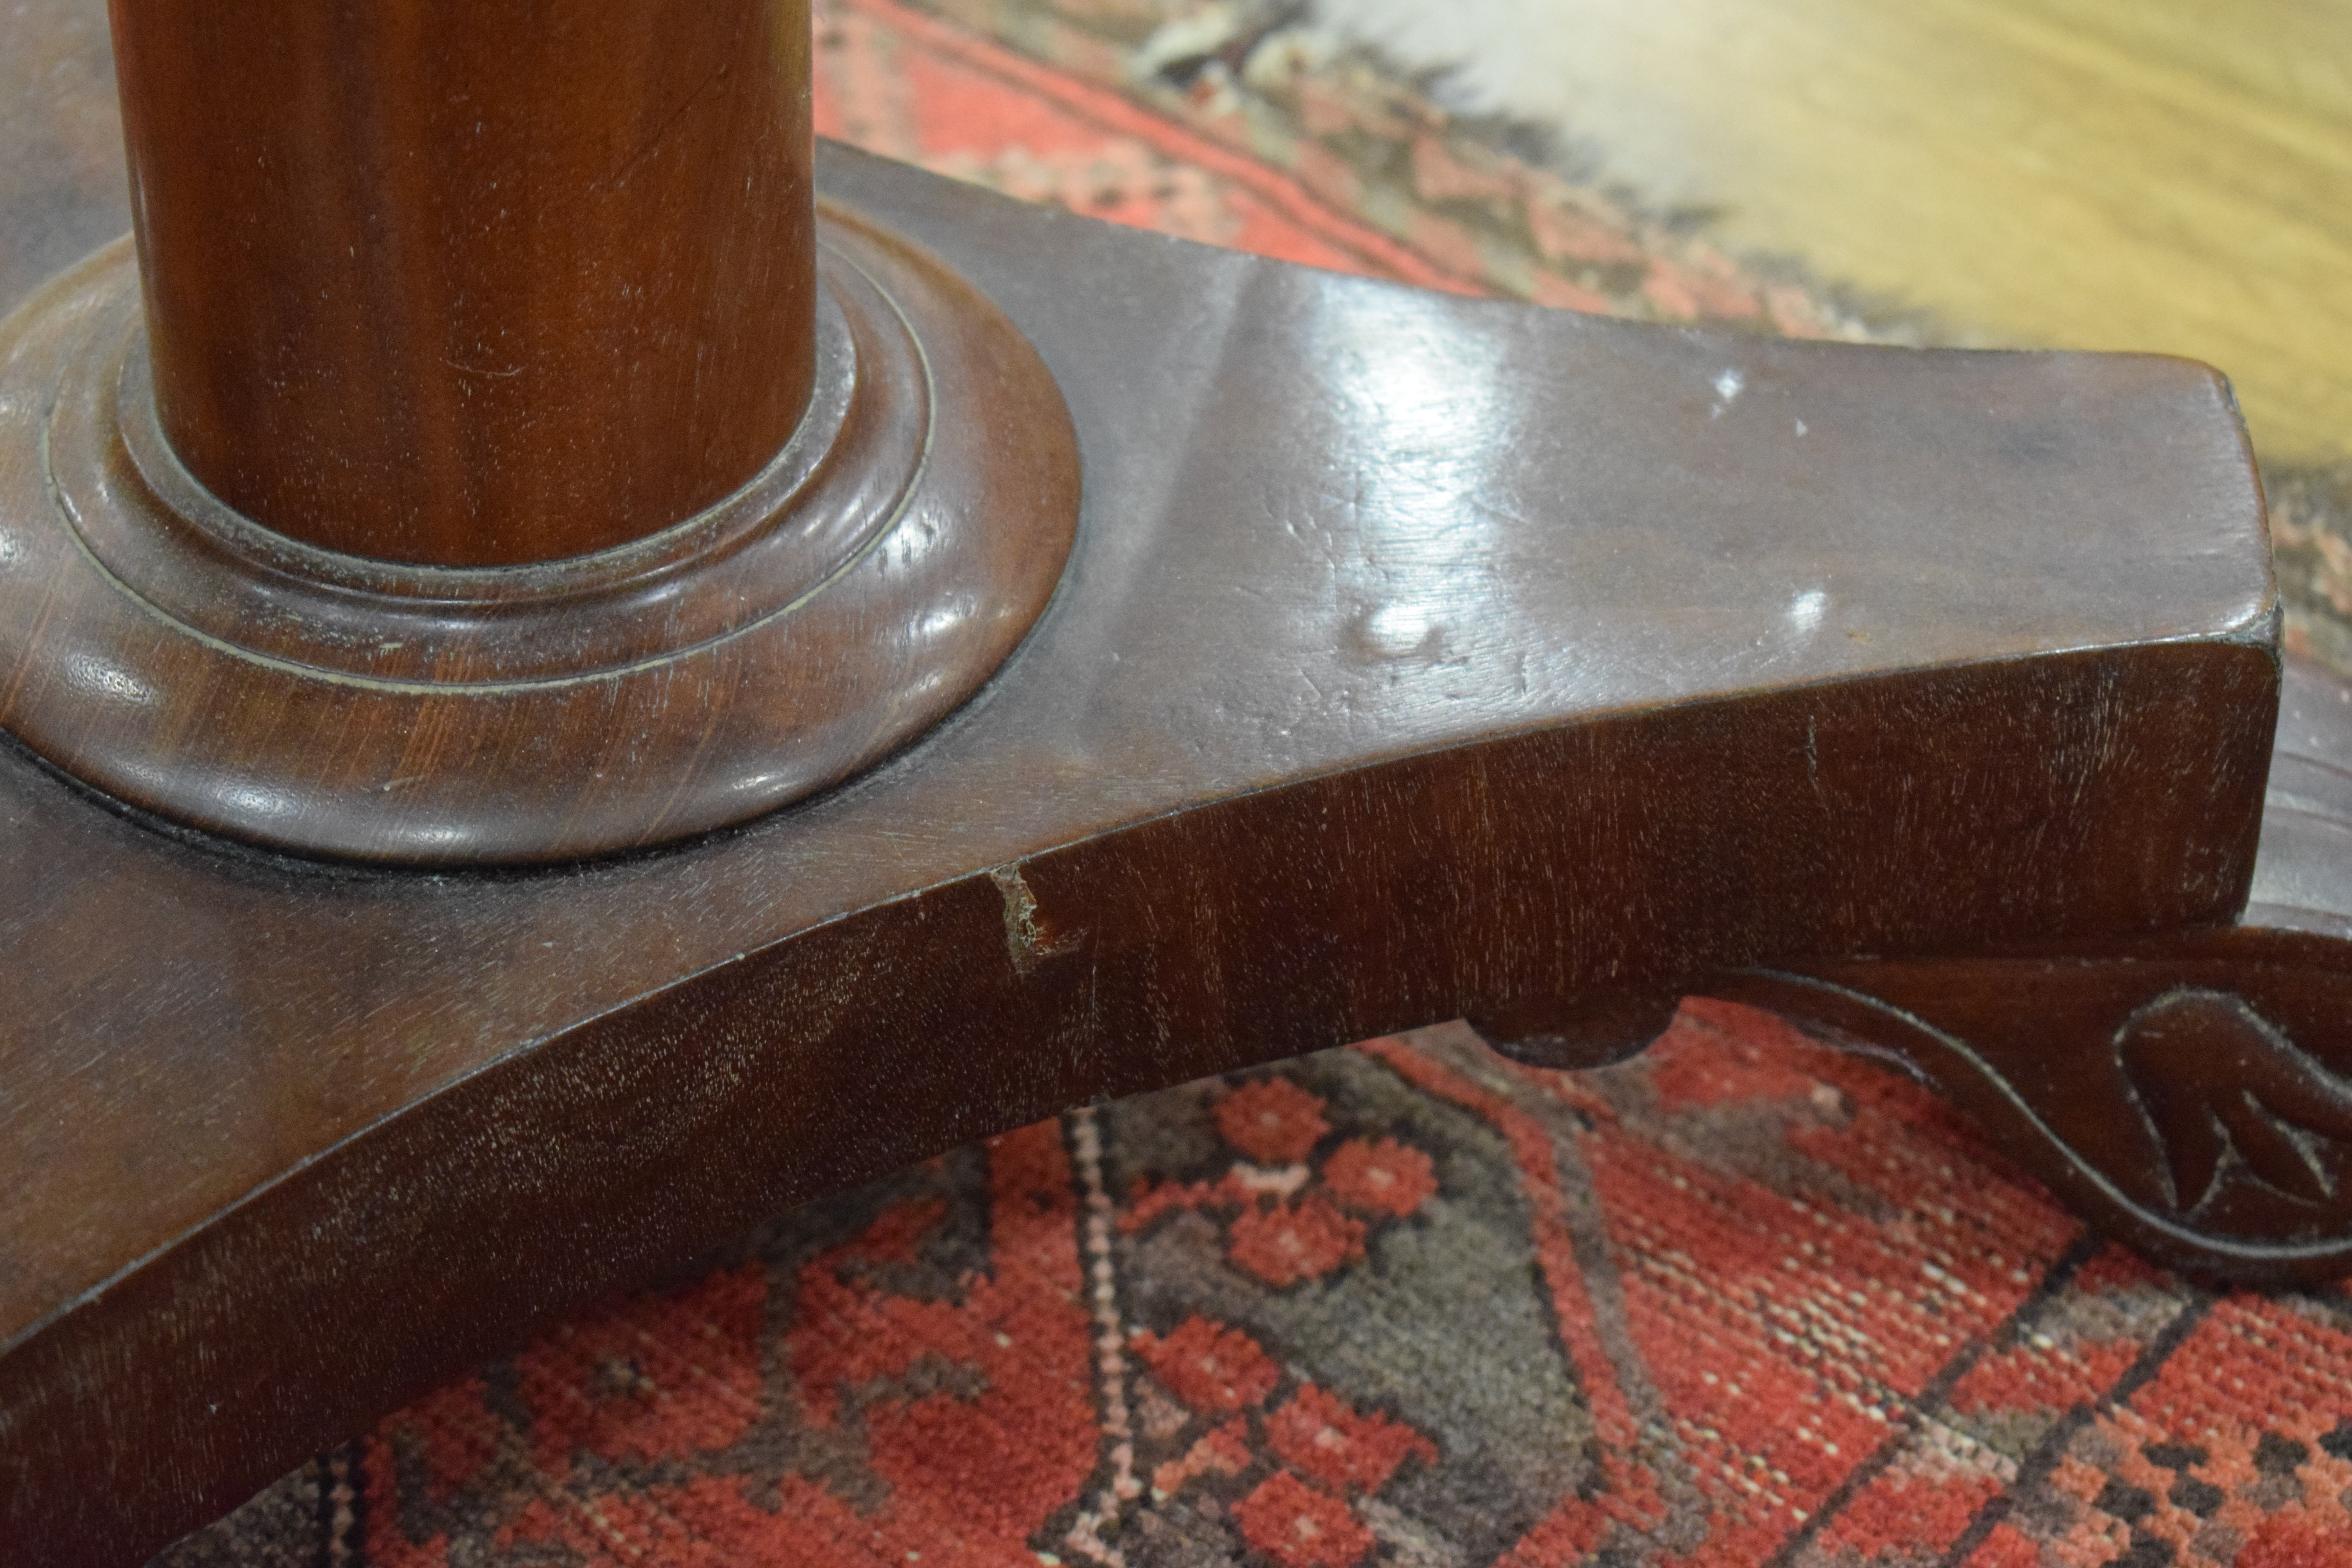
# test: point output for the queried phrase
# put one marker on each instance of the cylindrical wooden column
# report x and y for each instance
(473, 282)
(444, 300)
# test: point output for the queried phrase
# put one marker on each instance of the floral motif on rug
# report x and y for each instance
(1744, 1300)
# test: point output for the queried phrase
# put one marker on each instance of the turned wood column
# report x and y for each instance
(484, 462)
(473, 282)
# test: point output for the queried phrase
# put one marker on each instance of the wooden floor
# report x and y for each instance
(2167, 175)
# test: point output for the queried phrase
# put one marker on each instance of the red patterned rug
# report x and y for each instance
(1744, 1300)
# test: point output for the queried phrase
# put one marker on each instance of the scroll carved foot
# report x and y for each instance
(2192, 1095)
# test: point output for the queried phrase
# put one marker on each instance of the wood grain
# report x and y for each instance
(1417, 656)
(176, 655)
(2191, 1093)
(473, 285)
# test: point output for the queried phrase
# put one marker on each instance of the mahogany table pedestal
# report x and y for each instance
(575, 684)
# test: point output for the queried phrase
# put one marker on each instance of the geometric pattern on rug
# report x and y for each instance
(1746, 1300)
(1743, 1300)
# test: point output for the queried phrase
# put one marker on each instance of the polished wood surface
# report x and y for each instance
(2160, 174)
(471, 285)
(172, 653)
(289, 565)
(1418, 657)
(2191, 1092)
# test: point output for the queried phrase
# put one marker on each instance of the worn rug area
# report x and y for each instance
(1744, 1300)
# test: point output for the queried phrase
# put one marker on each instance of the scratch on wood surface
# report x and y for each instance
(1028, 936)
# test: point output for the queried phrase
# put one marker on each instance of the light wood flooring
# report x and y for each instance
(2163, 175)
